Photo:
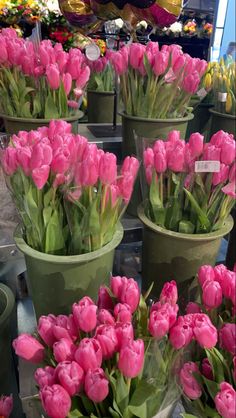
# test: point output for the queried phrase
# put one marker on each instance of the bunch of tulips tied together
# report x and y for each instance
(157, 82)
(224, 86)
(102, 74)
(70, 194)
(181, 198)
(209, 382)
(119, 358)
(40, 81)
(6, 406)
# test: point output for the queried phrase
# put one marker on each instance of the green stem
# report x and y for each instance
(103, 205)
(97, 410)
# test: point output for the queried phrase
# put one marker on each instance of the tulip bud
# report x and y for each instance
(105, 318)
(106, 336)
(45, 329)
(96, 385)
(122, 313)
(29, 348)
(207, 369)
(204, 331)
(181, 334)
(108, 168)
(212, 295)
(6, 406)
(131, 358)
(225, 400)
(190, 386)
(85, 314)
(205, 273)
(70, 376)
(45, 377)
(124, 333)
(227, 336)
(104, 299)
(89, 354)
(64, 350)
(169, 293)
(56, 401)
(53, 76)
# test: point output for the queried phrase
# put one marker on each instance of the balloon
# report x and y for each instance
(78, 13)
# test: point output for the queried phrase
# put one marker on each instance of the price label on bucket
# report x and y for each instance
(222, 97)
(207, 166)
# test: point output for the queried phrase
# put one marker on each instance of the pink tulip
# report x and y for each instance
(148, 157)
(73, 104)
(117, 285)
(232, 174)
(196, 144)
(124, 334)
(61, 59)
(3, 52)
(234, 371)
(96, 385)
(160, 63)
(131, 358)
(227, 155)
(108, 168)
(173, 136)
(104, 299)
(88, 172)
(190, 386)
(228, 285)
(219, 273)
(67, 82)
(211, 153)
(64, 350)
(105, 318)
(169, 293)
(222, 176)
(53, 76)
(212, 295)
(85, 314)
(65, 328)
(207, 369)
(45, 377)
(40, 176)
(56, 401)
(106, 336)
(204, 331)
(45, 329)
(191, 83)
(41, 155)
(193, 308)
(201, 67)
(71, 377)
(227, 336)
(158, 325)
(122, 313)
(6, 406)
(136, 55)
(160, 162)
(10, 161)
(119, 63)
(181, 334)
(179, 64)
(206, 273)
(29, 348)
(130, 294)
(230, 190)
(149, 174)
(61, 160)
(176, 157)
(24, 157)
(152, 49)
(83, 77)
(130, 166)
(89, 354)
(126, 185)
(225, 401)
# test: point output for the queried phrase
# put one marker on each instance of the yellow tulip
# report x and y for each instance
(229, 103)
(207, 81)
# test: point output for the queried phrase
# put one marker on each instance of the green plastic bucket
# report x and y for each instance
(56, 282)
(169, 255)
(100, 106)
(147, 128)
(201, 121)
(222, 121)
(7, 303)
(14, 125)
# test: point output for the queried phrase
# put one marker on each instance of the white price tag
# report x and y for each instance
(207, 166)
(202, 93)
(92, 52)
(222, 97)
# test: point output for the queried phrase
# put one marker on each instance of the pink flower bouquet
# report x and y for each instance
(209, 382)
(70, 195)
(191, 186)
(117, 358)
(39, 81)
(157, 83)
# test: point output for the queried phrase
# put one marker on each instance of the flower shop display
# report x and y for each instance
(224, 90)
(156, 85)
(7, 302)
(39, 83)
(209, 380)
(100, 90)
(207, 29)
(190, 194)
(56, 28)
(190, 28)
(14, 10)
(70, 196)
(116, 358)
(6, 406)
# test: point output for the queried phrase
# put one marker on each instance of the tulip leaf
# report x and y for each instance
(54, 243)
(203, 219)
(122, 393)
(143, 392)
(25, 112)
(212, 387)
(186, 227)
(217, 363)
(113, 413)
(63, 101)
(188, 416)
(51, 111)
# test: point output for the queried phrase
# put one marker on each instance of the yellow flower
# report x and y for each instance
(207, 81)
(229, 103)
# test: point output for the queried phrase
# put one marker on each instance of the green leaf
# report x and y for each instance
(188, 416)
(156, 203)
(203, 219)
(36, 106)
(25, 111)
(51, 111)
(143, 392)
(139, 411)
(63, 101)
(186, 227)
(122, 393)
(114, 414)
(47, 213)
(94, 220)
(54, 243)
(76, 414)
(217, 364)
(212, 387)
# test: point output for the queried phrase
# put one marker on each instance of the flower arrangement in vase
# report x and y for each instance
(191, 186)
(209, 382)
(69, 193)
(157, 82)
(116, 358)
(39, 81)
